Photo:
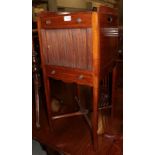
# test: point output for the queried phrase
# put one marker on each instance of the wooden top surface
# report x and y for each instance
(102, 9)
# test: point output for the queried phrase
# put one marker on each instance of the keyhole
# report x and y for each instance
(109, 19)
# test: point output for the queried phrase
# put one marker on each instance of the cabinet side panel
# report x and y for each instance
(44, 45)
(108, 39)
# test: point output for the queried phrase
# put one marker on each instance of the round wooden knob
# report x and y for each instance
(53, 72)
(81, 77)
(79, 20)
(48, 22)
(119, 51)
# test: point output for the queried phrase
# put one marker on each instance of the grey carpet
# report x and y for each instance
(37, 149)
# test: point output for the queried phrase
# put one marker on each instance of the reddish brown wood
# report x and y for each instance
(117, 85)
(82, 108)
(108, 39)
(45, 77)
(72, 48)
(72, 136)
(56, 20)
(70, 75)
(108, 10)
(96, 74)
(80, 51)
(78, 113)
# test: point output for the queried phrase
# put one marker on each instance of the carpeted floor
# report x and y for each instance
(37, 149)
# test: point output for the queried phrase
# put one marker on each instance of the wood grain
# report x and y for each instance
(72, 47)
(56, 20)
(70, 75)
(108, 39)
(96, 74)
(69, 48)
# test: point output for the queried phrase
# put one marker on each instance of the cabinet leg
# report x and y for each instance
(114, 74)
(48, 102)
(37, 106)
(37, 97)
(85, 116)
(95, 115)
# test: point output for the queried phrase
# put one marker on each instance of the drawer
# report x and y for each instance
(70, 20)
(70, 75)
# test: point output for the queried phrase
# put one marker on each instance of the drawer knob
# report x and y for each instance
(53, 72)
(120, 51)
(79, 20)
(81, 77)
(48, 22)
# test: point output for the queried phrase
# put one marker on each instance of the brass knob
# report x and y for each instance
(48, 22)
(79, 20)
(81, 77)
(48, 46)
(53, 72)
(119, 51)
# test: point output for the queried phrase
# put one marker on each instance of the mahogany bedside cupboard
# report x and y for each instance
(78, 47)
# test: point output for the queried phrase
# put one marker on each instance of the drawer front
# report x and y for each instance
(67, 21)
(70, 75)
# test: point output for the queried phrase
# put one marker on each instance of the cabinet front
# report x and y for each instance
(68, 47)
